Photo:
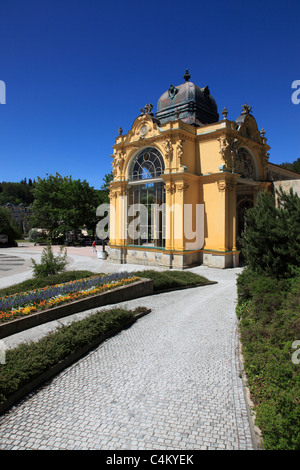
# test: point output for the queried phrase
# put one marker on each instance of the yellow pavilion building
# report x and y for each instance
(183, 179)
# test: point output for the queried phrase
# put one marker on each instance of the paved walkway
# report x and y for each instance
(15, 263)
(171, 381)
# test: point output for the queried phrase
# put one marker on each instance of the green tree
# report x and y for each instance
(271, 239)
(104, 188)
(107, 179)
(294, 166)
(62, 204)
(16, 193)
(8, 227)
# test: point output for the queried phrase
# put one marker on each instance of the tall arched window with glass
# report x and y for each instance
(146, 199)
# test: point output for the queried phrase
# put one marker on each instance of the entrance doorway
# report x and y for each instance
(243, 206)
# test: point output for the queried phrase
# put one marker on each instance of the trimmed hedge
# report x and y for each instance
(29, 360)
(164, 280)
(269, 314)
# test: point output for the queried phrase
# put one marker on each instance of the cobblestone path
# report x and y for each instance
(170, 381)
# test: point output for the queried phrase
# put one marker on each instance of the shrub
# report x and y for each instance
(8, 227)
(33, 234)
(50, 264)
(268, 309)
(271, 240)
(163, 280)
(28, 360)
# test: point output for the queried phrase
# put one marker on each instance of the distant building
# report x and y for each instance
(177, 160)
(20, 214)
(286, 186)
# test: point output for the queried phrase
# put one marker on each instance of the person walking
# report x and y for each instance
(94, 247)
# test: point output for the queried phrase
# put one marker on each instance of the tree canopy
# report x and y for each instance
(108, 177)
(8, 227)
(294, 166)
(62, 204)
(16, 193)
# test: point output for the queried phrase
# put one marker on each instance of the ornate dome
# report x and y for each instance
(189, 103)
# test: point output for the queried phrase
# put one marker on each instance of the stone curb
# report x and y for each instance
(63, 364)
(134, 290)
(171, 289)
(256, 433)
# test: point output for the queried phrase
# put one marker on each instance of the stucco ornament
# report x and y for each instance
(168, 150)
(118, 163)
(172, 91)
(243, 164)
(228, 150)
(179, 148)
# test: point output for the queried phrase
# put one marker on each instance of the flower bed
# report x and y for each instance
(25, 303)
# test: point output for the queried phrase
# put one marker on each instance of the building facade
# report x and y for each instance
(21, 215)
(183, 179)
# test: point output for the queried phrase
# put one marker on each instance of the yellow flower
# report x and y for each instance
(26, 310)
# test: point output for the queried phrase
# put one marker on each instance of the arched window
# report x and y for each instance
(146, 199)
(147, 164)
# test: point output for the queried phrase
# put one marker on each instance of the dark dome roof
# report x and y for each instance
(189, 103)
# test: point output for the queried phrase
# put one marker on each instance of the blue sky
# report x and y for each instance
(77, 70)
